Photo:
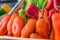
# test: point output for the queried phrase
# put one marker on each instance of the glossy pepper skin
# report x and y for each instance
(51, 12)
(35, 2)
(33, 10)
(56, 5)
(49, 4)
(56, 25)
(3, 24)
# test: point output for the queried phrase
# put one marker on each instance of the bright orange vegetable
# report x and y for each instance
(3, 24)
(41, 28)
(17, 26)
(44, 13)
(43, 25)
(9, 25)
(56, 25)
(29, 28)
(34, 35)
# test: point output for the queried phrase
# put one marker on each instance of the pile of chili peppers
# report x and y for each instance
(53, 4)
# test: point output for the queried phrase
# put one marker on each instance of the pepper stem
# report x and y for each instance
(42, 14)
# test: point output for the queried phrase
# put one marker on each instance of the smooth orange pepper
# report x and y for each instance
(9, 25)
(56, 25)
(3, 24)
(28, 28)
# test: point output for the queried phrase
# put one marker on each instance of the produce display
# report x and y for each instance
(38, 19)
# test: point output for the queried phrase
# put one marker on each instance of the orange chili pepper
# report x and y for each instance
(45, 18)
(9, 25)
(35, 36)
(29, 28)
(56, 25)
(17, 26)
(41, 28)
(3, 24)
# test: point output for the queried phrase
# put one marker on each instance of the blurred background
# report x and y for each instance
(6, 6)
(11, 3)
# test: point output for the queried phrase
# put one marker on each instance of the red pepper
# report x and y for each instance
(56, 5)
(49, 4)
(28, 15)
(50, 13)
(33, 10)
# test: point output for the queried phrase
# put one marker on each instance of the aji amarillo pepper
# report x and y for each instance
(56, 25)
(45, 18)
(3, 24)
(17, 26)
(41, 26)
(9, 25)
(28, 28)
